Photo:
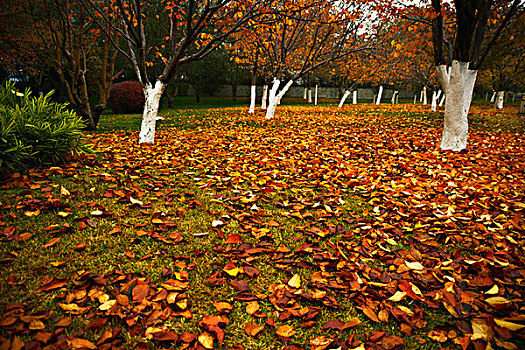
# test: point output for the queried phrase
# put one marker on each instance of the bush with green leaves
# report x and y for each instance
(35, 131)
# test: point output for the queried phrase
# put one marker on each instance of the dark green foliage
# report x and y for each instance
(36, 131)
(127, 97)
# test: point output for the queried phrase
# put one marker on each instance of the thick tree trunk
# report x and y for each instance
(252, 99)
(499, 100)
(264, 97)
(345, 96)
(379, 95)
(270, 113)
(315, 97)
(151, 110)
(355, 97)
(425, 98)
(273, 90)
(458, 86)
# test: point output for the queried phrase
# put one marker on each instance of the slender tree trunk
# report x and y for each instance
(522, 104)
(499, 100)
(355, 97)
(309, 95)
(425, 98)
(442, 100)
(379, 95)
(151, 110)
(434, 101)
(305, 96)
(415, 98)
(315, 97)
(345, 96)
(493, 98)
(458, 86)
(270, 113)
(253, 95)
(394, 96)
(264, 97)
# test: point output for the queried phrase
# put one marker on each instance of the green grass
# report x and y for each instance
(324, 209)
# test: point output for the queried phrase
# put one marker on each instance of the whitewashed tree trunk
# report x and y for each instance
(394, 96)
(499, 100)
(315, 97)
(442, 100)
(354, 97)
(270, 113)
(493, 98)
(421, 96)
(486, 96)
(425, 98)
(305, 96)
(273, 90)
(458, 84)
(151, 110)
(253, 95)
(264, 97)
(345, 96)
(415, 98)
(379, 95)
(309, 95)
(433, 108)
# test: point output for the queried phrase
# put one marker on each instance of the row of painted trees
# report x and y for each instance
(87, 43)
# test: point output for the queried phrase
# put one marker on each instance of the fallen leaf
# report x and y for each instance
(252, 329)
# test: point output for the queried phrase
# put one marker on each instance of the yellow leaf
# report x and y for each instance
(233, 272)
(494, 301)
(295, 281)
(64, 191)
(509, 325)
(107, 305)
(414, 265)
(398, 296)
(493, 290)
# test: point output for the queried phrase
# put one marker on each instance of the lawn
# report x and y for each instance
(325, 228)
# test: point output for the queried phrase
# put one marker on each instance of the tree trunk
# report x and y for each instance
(315, 97)
(394, 96)
(345, 96)
(499, 100)
(379, 95)
(305, 96)
(415, 98)
(355, 97)
(270, 113)
(309, 95)
(493, 98)
(151, 110)
(273, 90)
(522, 104)
(264, 97)
(425, 98)
(253, 95)
(434, 101)
(442, 100)
(458, 87)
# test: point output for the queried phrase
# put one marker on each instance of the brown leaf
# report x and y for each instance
(370, 313)
(233, 239)
(334, 324)
(139, 292)
(286, 331)
(352, 323)
(78, 343)
(53, 284)
(320, 343)
(253, 329)
(51, 242)
(240, 286)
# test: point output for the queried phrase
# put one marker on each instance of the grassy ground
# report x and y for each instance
(332, 228)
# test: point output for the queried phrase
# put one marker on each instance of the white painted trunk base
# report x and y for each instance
(315, 97)
(309, 95)
(442, 100)
(379, 95)
(433, 108)
(270, 113)
(151, 109)
(458, 87)
(395, 95)
(499, 100)
(493, 98)
(425, 97)
(415, 98)
(305, 96)
(345, 96)
(253, 95)
(264, 97)
(354, 97)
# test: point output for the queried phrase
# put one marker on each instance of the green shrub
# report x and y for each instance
(36, 131)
